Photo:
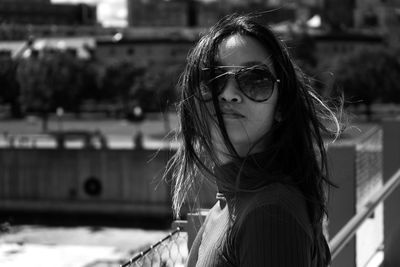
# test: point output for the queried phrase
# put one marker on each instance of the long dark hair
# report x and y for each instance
(297, 146)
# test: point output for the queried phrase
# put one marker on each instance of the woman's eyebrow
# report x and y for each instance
(244, 64)
(252, 63)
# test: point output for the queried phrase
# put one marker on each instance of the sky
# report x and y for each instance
(109, 12)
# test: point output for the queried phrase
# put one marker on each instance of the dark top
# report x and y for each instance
(270, 227)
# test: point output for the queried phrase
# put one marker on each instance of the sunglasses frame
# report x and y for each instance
(235, 74)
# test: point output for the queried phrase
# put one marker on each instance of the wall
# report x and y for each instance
(391, 164)
(104, 181)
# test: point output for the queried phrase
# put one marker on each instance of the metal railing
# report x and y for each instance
(342, 238)
(169, 251)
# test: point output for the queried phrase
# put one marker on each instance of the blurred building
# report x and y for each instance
(374, 14)
(22, 19)
(43, 12)
(149, 48)
(338, 14)
(23, 32)
(201, 13)
(333, 44)
(158, 13)
(379, 16)
(208, 13)
(159, 48)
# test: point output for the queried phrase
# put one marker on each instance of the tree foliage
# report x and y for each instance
(52, 78)
(90, 87)
(152, 89)
(9, 87)
(303, 47)
(49, 80)
(118, 82)
(157, 89)
(369, 76)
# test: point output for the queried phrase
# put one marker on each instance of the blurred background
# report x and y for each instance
(87, 115)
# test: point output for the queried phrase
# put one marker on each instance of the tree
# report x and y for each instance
(49, 80)
(9, 88)
(369, 76)
(158, 88)
(156, 91)
(90, 80)
(303, 48)
(118, 80)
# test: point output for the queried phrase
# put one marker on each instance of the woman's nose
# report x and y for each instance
(230, 92)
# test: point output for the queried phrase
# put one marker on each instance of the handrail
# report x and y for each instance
(144, 253)
(348, 231)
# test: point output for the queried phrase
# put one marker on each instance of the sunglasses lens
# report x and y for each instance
(205, 92)
(210, 82)
(256, 84)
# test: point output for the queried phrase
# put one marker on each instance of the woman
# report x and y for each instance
(250, 121)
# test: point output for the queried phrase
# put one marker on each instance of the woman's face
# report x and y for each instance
(246, 121)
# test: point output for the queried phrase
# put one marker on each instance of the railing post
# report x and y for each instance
(391, 163)
(342, 201)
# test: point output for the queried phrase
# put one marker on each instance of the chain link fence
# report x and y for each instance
(171, 251)
(369, 164)
(369, 180)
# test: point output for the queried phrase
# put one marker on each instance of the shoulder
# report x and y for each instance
(274, 234)
(276, 202)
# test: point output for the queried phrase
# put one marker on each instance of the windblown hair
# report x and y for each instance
(297, 145)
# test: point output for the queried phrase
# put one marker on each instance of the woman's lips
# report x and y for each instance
(232, 116)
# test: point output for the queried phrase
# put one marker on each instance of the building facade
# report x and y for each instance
(198, 13)
(330, 45)
(156, 52)
(379, 16)
(154, 13)
(338, 14)
(43, 12)
(159, 49)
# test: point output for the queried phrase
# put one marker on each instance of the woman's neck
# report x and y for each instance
(242, 150)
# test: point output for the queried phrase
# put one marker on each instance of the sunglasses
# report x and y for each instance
(256, 82)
